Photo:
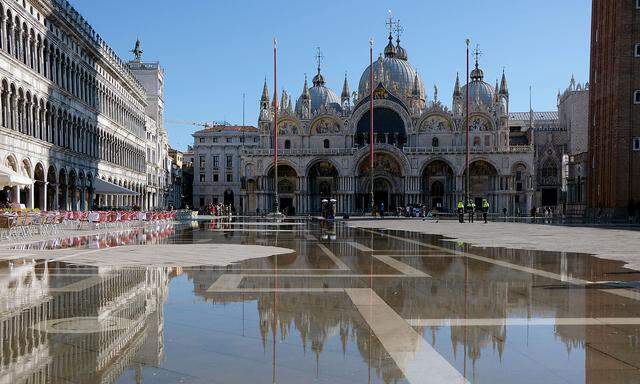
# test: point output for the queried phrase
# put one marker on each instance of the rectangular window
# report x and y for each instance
(202, 139)
(216, 161)
(229, 139)
(202, 161)
(636, 143)
(202, 178)
(229, 161)
(215, 177)
(637, 4)
(637, 50)
(229, 178)
(214, 139)
(255, 139)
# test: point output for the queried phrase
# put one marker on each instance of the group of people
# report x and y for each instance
(217, 210)
(471, 209)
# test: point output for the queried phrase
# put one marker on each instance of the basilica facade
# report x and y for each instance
(420, 145)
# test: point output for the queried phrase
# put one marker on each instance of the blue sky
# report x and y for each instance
(213, 51)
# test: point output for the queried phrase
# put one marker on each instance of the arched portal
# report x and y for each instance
(323, 183)
(62, 190)
(25, 192)
(228, 198)
(483, 182)
(388, 186)
(52, 188)
(287, 188)
(39, 193)
(438, 185)
(388, 127)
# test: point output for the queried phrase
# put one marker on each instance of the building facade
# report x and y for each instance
(614, 109)
(420, 145)
(559, 137)
(73, 112)
(216, 160)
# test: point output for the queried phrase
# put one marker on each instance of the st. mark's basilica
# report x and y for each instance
(420, 144)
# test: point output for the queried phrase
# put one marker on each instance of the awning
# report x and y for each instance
(103, 187)
(11, 178)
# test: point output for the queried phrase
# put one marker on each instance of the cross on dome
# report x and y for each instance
(319, 58)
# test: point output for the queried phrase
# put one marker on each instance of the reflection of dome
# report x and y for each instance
(398, 75)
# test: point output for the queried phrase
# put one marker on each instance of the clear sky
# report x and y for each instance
(213, 51)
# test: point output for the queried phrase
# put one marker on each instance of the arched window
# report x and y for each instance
(476, 141)
(435, 142)
(327, 144)
(287, 144)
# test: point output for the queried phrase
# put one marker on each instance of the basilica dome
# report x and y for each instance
(395, 73)
(478, 88)
(320, 96)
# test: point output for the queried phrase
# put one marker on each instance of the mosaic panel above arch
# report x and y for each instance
(325, 126)
(435, 123)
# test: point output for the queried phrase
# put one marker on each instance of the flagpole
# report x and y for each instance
(467, 130)
(275, 122)
(371, 134)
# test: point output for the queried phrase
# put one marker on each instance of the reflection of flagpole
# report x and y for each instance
(275, 121)
(467, 129)
(371, 135)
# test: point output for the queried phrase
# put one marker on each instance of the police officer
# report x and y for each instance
(460, 211)
(471, 209)
(485, 209)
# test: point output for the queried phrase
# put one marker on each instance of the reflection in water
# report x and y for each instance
(322, 324)
(29, 355)
(146, 235)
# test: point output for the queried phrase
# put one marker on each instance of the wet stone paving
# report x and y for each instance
(309, 302)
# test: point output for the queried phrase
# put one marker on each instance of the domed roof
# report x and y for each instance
(319, 95)
(481, 90)
(323, 96)
(478, 88)
(396, 74)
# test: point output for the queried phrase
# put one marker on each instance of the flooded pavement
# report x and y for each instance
(343, 305)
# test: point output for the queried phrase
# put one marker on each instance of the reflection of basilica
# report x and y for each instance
(420, 144)
(77, 344)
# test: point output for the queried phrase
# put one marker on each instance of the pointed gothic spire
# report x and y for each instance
(496, 93)
(345, 88)
(456, 88)
(305, 89)
(265, 91)
(415, 92)
(504, 90)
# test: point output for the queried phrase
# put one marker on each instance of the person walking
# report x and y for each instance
(485, 209)
(471, 209)
(460, 211)
(382, 210)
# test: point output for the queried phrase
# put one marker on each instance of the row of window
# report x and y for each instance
(227, 139)
(215, 161)
(25, 44)
(43, 120)
(216, 178)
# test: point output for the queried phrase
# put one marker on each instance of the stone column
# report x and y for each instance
(30, 197)
(43, 196)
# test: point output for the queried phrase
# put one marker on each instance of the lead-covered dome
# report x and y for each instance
(478, 88)
(320, 96)
(394, 72)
